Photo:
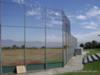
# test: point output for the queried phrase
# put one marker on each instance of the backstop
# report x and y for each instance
(34, 36)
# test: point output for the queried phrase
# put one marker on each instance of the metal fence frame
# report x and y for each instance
(69, 42)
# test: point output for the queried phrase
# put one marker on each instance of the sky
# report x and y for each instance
(84, 16)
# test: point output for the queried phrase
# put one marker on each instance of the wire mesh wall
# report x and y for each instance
(34, 36)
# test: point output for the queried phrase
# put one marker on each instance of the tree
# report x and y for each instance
(88, 45)
(14, 46)
(65, 46)
(94, 44)
(43, 47)
(98, 46)
(82, 45)
(23, 46)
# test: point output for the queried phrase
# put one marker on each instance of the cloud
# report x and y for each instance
(90, 25)
(81, 17)
(54, 23)
(32, 7)
(19, 1)
(85, 37)
(53, 18)
(53, 12)
(33, 11)
(93, 12)
(89, 20)
(54, 38)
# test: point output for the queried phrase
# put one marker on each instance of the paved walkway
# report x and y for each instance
(75, 64)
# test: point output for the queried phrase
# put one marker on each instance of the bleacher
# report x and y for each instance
(91, 58)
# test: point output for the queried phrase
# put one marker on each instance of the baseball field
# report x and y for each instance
(13, 57)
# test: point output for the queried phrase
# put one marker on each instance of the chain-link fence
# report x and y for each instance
(34, 36)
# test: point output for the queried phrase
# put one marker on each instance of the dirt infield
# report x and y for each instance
(12, 57)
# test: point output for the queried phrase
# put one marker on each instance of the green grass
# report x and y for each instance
(95, 66)
(88, 68)
(93, 51)
(81, 73)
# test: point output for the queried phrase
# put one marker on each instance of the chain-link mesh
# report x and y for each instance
(34, 36)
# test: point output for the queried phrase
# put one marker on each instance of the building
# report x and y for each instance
(36, 37)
